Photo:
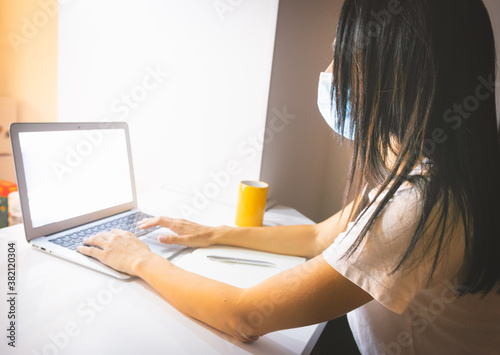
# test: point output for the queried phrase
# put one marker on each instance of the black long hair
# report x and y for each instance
(418, 77)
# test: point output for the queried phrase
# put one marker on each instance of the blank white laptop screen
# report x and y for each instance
(75, 172)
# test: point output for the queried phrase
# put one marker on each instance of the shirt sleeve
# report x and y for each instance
(372, 264)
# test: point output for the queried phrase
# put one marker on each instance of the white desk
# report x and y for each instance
(64, 308)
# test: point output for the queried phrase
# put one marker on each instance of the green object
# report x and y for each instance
(4, 212)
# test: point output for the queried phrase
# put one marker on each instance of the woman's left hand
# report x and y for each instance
(118, 249)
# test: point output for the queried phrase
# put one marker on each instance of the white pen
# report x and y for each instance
(227, 259)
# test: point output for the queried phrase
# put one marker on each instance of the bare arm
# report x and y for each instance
(310, 293)
(302, 240)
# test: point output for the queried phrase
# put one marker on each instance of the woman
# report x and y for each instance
(415, 258)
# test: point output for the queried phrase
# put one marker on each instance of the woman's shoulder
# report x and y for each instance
(374, 262)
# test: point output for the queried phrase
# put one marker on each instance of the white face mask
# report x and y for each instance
(327, 107)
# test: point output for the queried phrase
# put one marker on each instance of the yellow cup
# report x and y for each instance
(252, 199)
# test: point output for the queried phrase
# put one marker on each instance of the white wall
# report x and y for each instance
(190, 77)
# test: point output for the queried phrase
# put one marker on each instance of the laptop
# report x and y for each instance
(75, 180)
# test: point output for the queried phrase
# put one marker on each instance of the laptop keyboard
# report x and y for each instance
(127, 223)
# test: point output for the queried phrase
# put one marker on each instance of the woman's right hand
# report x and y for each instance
(189, 234)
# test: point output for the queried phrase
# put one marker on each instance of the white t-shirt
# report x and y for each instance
(407, 316)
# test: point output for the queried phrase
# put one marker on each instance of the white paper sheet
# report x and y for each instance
(239, 275)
